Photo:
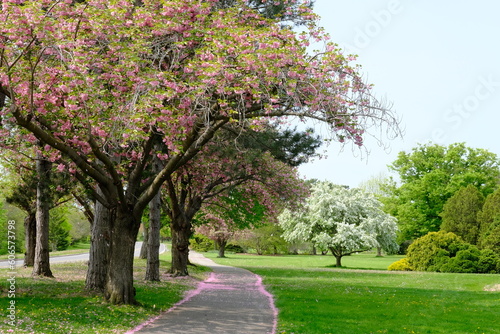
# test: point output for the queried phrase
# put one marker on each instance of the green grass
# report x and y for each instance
(313, 298)
(357, 261)
(62, 305)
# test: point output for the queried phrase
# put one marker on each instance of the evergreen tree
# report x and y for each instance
(489, 219)
(460, 214)
(59, 229)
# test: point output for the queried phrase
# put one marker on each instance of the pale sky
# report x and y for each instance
(438, 62)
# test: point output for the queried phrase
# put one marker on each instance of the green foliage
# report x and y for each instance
(490, 237)
(428, 252)
(403, 247)
(3, 232)
(429, 176)
(59, 229)
(201, 243)
(489, 219)
(80, 226)
(289, 146)
(234, 248)
(242, 211)
(265, 240)
(489, 262)
(460, 213)
(400, 265)
(447, 252)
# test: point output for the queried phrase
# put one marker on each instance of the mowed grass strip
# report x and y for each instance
(62, 305)
(313, 298)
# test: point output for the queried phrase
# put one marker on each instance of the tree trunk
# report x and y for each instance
(338, 256)
(41, 265)
(181, 231)
(379, 251)
(30, 239)
(153, 245)
(99, 248)
(222, 248)
(120, 280)
(144, 248)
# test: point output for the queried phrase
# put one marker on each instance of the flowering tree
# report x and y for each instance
(340, 219)
(231, 184)
(100, 82)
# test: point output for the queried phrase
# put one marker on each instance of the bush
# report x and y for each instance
(201, 243)
(465, 261)
(446, 252)
(431, 251)
(234, 248)
(489, 262)
(401, 265)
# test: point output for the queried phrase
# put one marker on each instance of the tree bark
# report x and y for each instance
(144, 248)
(181, 231)
(41, 265)
(120, 280)
(222, 248)
(153, 245)
(379, 252)
(30, 239)
(97, 270)
(338, 256)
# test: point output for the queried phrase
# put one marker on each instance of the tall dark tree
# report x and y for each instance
(489, 220)
(460, 214)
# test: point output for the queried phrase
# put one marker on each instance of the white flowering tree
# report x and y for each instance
(341, 220)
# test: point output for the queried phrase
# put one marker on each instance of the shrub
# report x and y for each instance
(401, 265)
(446, 252)
(431, 251)
(234, 248)
(465, 261)
(201, 243)
(489, 262)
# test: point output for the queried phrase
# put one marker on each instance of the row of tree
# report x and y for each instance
(149, 103)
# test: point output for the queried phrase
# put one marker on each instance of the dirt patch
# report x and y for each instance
(495, 287)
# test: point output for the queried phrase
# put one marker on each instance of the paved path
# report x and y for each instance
(76, 257)
(231, 300)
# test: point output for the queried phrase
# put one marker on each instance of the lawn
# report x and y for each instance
(313, 298)
(62, 305)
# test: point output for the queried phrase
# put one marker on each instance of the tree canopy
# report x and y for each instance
(428, 176)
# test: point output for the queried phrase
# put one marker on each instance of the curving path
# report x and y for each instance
(231, 300)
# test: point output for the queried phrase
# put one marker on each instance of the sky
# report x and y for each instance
(437, 62)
